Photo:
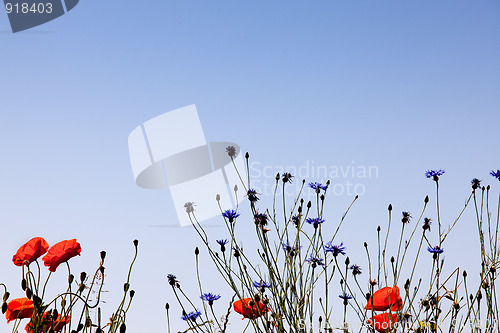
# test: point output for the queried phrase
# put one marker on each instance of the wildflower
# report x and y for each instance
(210, 298)
(230, 214)
(346, 297)
(19, 308)
(248, 309)
(287, 177)
(434, 174)
(49, 323)
(296, 219)
(191, 315)
(189, 207)
(318, 186)
(291, 251)
(231, 151)
(172, 279)
(314, 221)
(495, 174)
(314, 261)
(406, 217)
(427, 224)
(222, 243)
(383, 322)
(356, 270)
(61, 252)
(260, 219)
(385, 298)
(475, 183)
(261, 285)
(435, 250)
(30, 251)
(335, 249)
(252, 195)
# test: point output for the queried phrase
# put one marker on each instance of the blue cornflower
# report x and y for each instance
(296, 219)
(314, 221)
(345, 296)
(356, 270)
(172, 279)
(252, 195)
(260, 219)
(191, 315)
(314, 261)
(406, 217)
(435, 250)
(427, 224)
(261, 285)
(222, 243)
(291, 251)
(434, 174)
(287, 177)
(231, 151)
(475, 183)
(318, 186)
(335, 249)
(210, 298)
(495, 174)
(231, 215)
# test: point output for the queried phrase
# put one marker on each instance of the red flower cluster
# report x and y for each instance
(19, 308)
(383, 300)
(49, 322)
(56, 255)
(248, 309)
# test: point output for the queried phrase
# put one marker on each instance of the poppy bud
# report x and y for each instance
(488, 187)
(132, 293)
(196, 251)
(4, 307)
(167, 306)
(328, 182)
(136, 242)
(390, 207)
(299, 210)
(70, 278)
(247, 155)
(277, 176)
(235, 188)
(456, 306)
(29, 293)
(63, 303)
(217, 197)
(83, 275)
(465, 274)
(320, 319)
(392, 260)
(407, 284)
(54, 313)
(23, 284)
(123, 328)
(426, 200)
(479, 295)
(80, 327)
(365, 244)
(126, 286)
(81, 287)
(6, 296)
(37, 300)
(322, 197)
(309, 204)
(103, 255)
(257, 297)
(347, 261)
(368, 295)
(378, 229)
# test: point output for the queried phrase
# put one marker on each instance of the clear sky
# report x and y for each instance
(402, 86)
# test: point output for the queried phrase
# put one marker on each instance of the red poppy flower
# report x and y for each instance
(48, 322)
(248, 309)
(383, 322)
(19, 308)
(385, 298)
(61, 252)
(30, 251)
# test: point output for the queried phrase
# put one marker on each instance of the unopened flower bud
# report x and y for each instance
(217, 197)
(167, 306)
(136, 242)
(123, 328)
(103, 255)
(83, 275)
(6, 296)
(426, 200)
(126, 287)
(196, 251)
(247, 155)
(29, 293)
(4, 307)
(390, 207)
(71, 278)
(132, 293)
(23, 284)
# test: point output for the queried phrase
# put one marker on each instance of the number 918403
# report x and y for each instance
(26, 8)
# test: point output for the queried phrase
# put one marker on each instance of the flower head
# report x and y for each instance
(189, 207)
(250, 309)
(384, 299)
(287, 177)
(261, 285)
(191, 315)
(252, 195)
(61, 252)
(49, 323)
(434, 174)
(210, 298)
(260, 219)
(231, 151)
(475, 183)
(335, 249)
(383, 322)
(314, 221)
(230, 214)
(356, 270)
(30, 251)
(172, 279)
(19, 308)
(427, 224)
(315, 261)
(222, 243)
(435, 250)
(317, 186)
(296, 219)
(289, 250)
(406, 217)
(346, 297)
(495, 174)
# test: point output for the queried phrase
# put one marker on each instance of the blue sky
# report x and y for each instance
(404, 86)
